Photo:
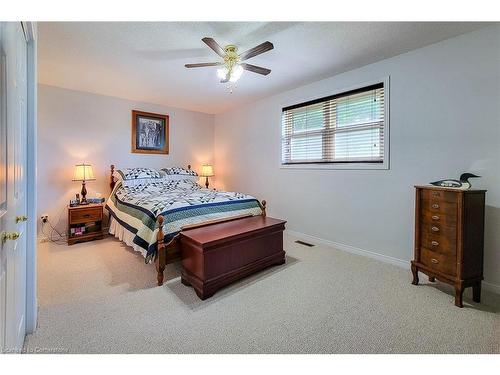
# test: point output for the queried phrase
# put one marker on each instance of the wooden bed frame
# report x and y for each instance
(171, 252)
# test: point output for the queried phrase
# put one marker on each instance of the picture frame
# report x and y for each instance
(150, 133)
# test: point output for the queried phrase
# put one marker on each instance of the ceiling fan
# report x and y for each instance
(232, 67)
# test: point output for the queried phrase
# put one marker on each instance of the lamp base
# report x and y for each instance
(83, 201)
(206, 182)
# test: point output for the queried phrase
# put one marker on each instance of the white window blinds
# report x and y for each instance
(343, 128)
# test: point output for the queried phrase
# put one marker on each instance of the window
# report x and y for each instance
(344, 128)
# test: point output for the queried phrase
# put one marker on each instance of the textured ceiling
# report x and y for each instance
(145, 61)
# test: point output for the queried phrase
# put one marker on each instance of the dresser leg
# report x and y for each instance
(185, 282)
(459, 291)
(476, 292)
(414, 271)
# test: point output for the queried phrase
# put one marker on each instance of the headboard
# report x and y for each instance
(112, 181)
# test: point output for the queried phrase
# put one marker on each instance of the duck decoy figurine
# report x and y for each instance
(461, 184)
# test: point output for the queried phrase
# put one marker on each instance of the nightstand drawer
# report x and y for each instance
(85, 215)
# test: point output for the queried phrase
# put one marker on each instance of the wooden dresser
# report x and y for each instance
(449, 236)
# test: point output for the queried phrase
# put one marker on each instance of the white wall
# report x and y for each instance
(75, 127)
(445, 119)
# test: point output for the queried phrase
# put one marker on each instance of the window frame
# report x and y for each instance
(346, 165)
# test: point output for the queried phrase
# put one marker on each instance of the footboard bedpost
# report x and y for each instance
(161, 256)
(263, 207)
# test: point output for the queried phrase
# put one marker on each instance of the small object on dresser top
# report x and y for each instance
(95, 200)
(461, 184)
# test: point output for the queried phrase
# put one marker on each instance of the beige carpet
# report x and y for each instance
(99, 297)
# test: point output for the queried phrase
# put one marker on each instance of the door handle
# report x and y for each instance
(21, 218)
(4, 236)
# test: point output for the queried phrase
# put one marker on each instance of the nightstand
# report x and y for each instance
(85, 223)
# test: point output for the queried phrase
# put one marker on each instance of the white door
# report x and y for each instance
(3, 185)
(13, 208)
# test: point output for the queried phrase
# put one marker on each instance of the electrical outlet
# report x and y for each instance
(44, 218)
(43, 239)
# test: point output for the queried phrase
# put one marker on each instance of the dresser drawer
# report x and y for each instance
(436, 206)
(438, 243)
(448, 218)
(444, 263)
(438, 230)
(85, 215)
(439, 195)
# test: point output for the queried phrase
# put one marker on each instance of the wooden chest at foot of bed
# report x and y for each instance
(214, 256)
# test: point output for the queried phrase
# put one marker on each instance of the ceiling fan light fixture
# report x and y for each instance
(222, 73)
(236, 73)
(233, 66)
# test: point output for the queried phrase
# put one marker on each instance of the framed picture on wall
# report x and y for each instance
(149, 133)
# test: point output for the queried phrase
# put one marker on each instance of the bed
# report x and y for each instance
(150, 213)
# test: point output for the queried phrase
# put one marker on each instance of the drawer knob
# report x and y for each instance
(435, 217)
(435, 243)
(435, 229)
(86, 215)
(435, 205)
(435, 261)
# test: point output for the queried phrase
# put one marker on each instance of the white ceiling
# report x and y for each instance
(145, 61)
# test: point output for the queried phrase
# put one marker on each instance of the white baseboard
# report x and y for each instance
(351, 249)
(370, 254)
(493, 288)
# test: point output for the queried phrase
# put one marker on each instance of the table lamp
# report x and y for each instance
(83, 172)
(206, 171)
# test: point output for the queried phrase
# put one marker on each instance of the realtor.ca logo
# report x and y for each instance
(36, 350)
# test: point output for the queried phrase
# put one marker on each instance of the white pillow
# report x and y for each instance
(179, 177)
(140, 173)
(179, 173)
(139, 176)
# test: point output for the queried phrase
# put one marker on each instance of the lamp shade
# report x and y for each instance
(207, 170)
(83, 172)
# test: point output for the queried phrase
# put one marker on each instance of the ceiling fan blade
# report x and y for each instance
(256, 69)
(201, 65)
(214, 46)
(261, 48)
